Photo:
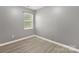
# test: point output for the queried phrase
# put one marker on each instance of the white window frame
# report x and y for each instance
(32, 21)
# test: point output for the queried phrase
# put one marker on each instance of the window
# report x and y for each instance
(28, 21)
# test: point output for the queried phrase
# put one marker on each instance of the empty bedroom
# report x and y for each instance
(39, 29)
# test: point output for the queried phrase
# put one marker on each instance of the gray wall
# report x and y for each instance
(12, 23)
(60, 24)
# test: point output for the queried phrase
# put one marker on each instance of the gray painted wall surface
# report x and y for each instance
(60, 24)
(12, 23)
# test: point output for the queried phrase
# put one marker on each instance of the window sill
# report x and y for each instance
(28, 28)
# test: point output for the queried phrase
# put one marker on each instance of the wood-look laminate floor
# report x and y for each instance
(34, 45)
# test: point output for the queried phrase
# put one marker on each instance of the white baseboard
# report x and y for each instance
(60, 44)
(10, 42)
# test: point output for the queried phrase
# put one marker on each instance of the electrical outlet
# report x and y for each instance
(73, 46)
(13, 36)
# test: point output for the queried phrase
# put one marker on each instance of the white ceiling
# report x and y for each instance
(34, 7)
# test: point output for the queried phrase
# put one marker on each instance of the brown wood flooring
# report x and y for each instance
(34, 45)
